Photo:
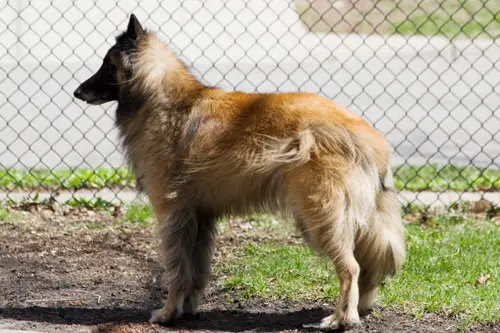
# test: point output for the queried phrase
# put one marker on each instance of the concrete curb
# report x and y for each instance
(130, 196)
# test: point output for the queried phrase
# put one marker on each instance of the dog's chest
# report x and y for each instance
(150, 146)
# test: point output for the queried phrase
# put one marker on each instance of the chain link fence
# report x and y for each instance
(425, 73)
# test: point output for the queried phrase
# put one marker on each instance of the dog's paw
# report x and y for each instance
(333, 323)
(164, 317)
(191, 316)
(330, 322)
(368, 302)
(366, 310)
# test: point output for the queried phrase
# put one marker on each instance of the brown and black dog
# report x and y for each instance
(201, 153)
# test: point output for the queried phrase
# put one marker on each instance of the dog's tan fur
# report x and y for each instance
(201, 153)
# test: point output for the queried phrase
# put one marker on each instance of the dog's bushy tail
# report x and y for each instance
(370, 210)
(380, 248)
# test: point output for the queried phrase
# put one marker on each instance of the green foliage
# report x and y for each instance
(469, 19)
(94, 204)
(4, 214)
(7, 215)
(138, 213)
(433, 177)
(66, 179)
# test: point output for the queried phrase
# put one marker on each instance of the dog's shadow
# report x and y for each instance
(214, 320)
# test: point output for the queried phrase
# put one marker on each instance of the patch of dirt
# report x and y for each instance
(82, 272)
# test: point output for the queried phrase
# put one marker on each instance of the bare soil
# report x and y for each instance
(82, 272)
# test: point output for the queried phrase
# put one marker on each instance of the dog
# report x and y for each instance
(200, 153)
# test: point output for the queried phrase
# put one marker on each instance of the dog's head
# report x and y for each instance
(117, 66)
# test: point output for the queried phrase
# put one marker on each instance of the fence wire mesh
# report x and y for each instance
(425, 73)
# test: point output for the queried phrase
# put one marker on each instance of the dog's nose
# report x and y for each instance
(78, 93)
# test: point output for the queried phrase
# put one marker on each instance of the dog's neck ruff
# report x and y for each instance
(156, 62)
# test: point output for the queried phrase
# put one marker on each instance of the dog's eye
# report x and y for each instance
(109, 64)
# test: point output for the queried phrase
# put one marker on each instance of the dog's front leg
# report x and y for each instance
(201, 261)
(178, 234)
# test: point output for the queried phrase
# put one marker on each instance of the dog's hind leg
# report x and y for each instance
(332, 239)
(201, 260)
(338, 245)
(178, 233)
(346, 314)
(320, 208)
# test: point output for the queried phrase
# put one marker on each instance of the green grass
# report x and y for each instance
(138, 213)
(6, 215)
(275, 271)
(94, 204)
(432, 177)
(67, 179)
(442, 24)
(133, 213)
(465, 18)
(440, 274)
(429, 177)
(450, 18)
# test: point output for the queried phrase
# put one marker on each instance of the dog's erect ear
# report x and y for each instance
(134, 29)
